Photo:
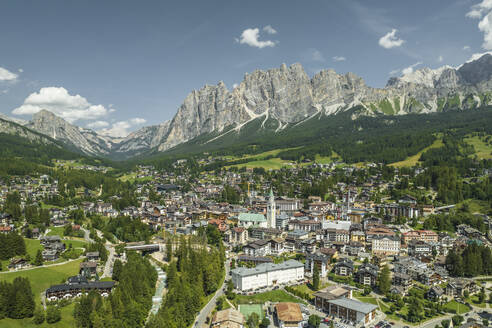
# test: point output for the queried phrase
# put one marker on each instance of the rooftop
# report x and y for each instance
(289, 312)
(267, 267)
(354, 305)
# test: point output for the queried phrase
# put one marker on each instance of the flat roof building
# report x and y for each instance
(353, 310)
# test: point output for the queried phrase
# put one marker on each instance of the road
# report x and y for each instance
(201, 319)
(108, 267)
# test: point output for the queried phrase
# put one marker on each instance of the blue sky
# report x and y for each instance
(118, 65)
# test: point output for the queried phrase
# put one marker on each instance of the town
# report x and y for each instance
(318, 245)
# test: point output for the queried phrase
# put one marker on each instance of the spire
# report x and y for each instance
(271, 192)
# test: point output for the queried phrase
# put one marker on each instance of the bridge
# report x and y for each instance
(447, 207)
(145, 248)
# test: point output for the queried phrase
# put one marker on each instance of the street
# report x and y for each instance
(201, 319)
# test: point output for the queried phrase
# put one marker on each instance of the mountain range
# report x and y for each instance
(285, 97)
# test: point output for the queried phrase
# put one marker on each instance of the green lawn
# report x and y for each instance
(413, 160)
(248, 309)
(56, 231)
(277, 295)
(66, 320)
(474, 301)
(368, 299)
(32, 247)
(75, 243)
(458, 308)
(42, 278)
(483, 150)
(268, 164)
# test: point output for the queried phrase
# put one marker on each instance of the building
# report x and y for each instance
(344, 267)
(434, 293)
(422, 235)
(92, 256)
(267, 275)
(229, 318)
(355, 311)
(237, 236)
(247, 220)
(289, 315)
(385, 245)
(367, 274)
(65, 291)
(329, 293)
(458, 286)
(271, 211)
(418, 248)
(320, 260)
(402, 279)
(259, 247)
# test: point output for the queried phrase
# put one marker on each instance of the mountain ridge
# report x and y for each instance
(285, 97)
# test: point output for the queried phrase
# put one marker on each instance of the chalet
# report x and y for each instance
(35, 233)
(5, 229)
(367, 274)
(355, 248)
(344, 267)
(320, 260)
(277, 246)
(259, 247)
(458, 286)
(434, 293)
(237, 236)
(264, 233)
(17, 264)
(402, 279)
(418, 248)
(50, 255)
(88, 268)
(92, 256)
(407, 199)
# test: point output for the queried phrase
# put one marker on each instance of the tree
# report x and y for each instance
(53, 314)
(220, 303)
(265, 323)
(384, 280)
(314, 321)
(445, 323)
(39, 316)
(315, 277)
(253, 320)
(481, 295)
(38, 261)
(485, 322)
(457, 320)
(117, 267)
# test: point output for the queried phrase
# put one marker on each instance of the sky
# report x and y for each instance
(118, 65)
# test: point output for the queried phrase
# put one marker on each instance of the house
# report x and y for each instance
(229, 318)
(92, 256)
(427, 236)
(456, 287)
(17, 264)
(354, 248)
(35, 233)
(88, 268)
(50, 255)
(5, 229)
(320, 260)
(267, 275)
(329, 293)
(419, 248)
(259, 247)
(344, 267)
(288, 315)
(237, 236)
(402, 279)
(434, 293)
(367, 274)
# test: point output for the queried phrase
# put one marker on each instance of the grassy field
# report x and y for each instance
(483, 150)
(272, 296)
(413, 160)
(66, 321)
(56, 231)
(248, 309)
(457, 307)
(42, 278)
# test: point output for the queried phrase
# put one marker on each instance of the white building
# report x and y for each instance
(252, 219)
(267, 275)
(386, 245)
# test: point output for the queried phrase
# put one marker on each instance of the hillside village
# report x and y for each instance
(352, 246)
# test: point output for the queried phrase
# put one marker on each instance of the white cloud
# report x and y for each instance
(390, 40)
(269, 29)
(339, 58)
(477, 56)
(61, 103)
(394, 72)
(120, 129)
(440, 59)
(478, 10)
(6, 75)
(21, 70)
(409, 69)
(250, 37)
(98, 125)
(235, 85)
(466, 48)
(483, 11)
